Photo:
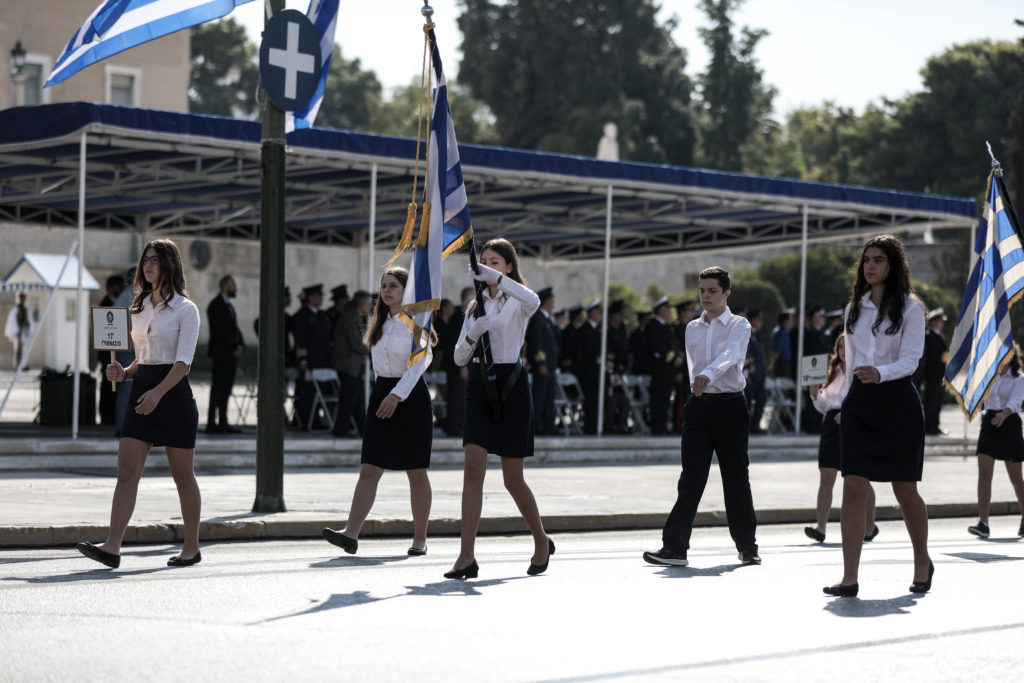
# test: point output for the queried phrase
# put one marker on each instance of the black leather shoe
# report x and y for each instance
(417, 552)
(102, 556)
(923, 586)
(176, 561)
(841, 591)
(813, 534)
(871, 536)
(349, 545)
(749, 557)
(468, 572)
(535, 569)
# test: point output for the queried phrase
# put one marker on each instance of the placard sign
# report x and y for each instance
(110, 329)
(813, 369)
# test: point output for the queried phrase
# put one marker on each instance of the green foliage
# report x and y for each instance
(225, 70)
(555, 71)
(829, 276)
(352, 96)
(398, 116)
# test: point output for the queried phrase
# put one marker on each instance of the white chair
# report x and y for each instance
(780, 404)
(326, 389)
(568, 403)
(637, 388)
(244, 395)
(436, 381)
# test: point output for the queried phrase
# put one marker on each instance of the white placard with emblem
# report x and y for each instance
(813, 369)
(110, 329)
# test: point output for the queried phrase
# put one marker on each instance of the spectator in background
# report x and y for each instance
(569, 357)
(684, 314)
(312, 330)
(588, 370)
(542, 357)
(339, 298)
(755, 373)
(666, 363)
(124, 358)
(456, 376)
(781, 363)
(833, 327)
(108, 393)
(932, 370)
(348, 357)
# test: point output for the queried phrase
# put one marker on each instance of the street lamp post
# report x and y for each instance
(18, 73)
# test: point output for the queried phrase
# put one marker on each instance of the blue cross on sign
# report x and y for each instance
(290, 59)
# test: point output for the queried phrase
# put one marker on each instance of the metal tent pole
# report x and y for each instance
(801, 314)
(77, 380)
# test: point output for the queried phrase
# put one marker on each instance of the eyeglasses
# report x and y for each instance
(152, 260)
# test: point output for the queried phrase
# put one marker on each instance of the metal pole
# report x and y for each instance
(270, 431)
(371, 285)
(604, 311)
(801, 315)
(76, 393)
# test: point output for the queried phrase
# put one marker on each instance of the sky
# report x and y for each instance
(850, 52)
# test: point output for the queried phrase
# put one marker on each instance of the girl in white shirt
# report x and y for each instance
(882, 423)
(500, 422)
(827, 399)
(162, 410)
(1001, 439)
(399, 428)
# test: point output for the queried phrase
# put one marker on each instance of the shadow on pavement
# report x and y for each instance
(354, 561)
(98, 574)
(694, 572)
(855, 607)
(985, 557)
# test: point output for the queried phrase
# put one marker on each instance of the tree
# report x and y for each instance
(225, 70)
(352, 96)
(829, 275)
(555, 71)
(473, 121)
(735, 103)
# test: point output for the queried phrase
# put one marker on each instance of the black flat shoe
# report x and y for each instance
(923, 586)
(349, 545)
(98, 554)
(870, 537)
(813, 534)
(176, 561)
(417, 552)
(468, 572)
(841, 591)
(535, 569)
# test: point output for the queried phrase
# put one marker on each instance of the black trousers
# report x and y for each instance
(543, 389)
(933, 395)
(351, 404)
(661, 395)
(757, 396)
(455, 397)
(222, 381)
(718, 427)
(590, 381)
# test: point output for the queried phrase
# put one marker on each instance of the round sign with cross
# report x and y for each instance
(290, 59)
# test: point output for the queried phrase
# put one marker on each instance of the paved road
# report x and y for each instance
(295, 610)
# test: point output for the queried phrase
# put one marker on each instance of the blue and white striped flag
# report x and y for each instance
(449, 227)
(982, 340)
(117, 25)
(324, 15)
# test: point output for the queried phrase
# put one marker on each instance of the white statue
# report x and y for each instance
(608, 147)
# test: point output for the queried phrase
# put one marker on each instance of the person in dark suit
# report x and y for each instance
(570, 343)
(814, 345)
(108, 394)
(640, 356)
(348, 357)
(588, 370)
(455, 376)
(542, 357)
(932, 370)
(617, 361)
(312, 331)
(224, 348)
(755, 373)
(666, 364)
(339, 299)
(684, 314)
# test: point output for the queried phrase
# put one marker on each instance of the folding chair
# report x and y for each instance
(435, 381)
(568, 403)
(326, 389)
(244, 395)
(781, 404)
(637, 388)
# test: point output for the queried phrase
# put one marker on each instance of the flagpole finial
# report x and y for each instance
(427, 11)
(996, 166)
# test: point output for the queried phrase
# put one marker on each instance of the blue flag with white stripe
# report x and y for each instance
(324, 16)
(449, 228)
(982, 340)
(117, 25)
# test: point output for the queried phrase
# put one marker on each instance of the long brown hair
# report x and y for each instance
(835, 361)
(503, 248)
(381, 311)
(897, 285)
(172, 276)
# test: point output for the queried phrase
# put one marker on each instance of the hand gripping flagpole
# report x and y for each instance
(483, 349)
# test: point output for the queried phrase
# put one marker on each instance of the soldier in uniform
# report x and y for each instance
(339, 297)
(588, 370)
(616, 408)
(666, 364)
(932, 370)
(312, 331)
(570, 344)
(542, 358)
(684, 314)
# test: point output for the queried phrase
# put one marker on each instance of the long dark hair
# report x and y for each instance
(381, 311)
(835, 361)
(1013, 365)
(172, 276)
(897, 285)
(503, 248)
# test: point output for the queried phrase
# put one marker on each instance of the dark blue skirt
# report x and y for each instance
(512, 436)
(881, 432)
(404, 440)
(175, 419)
(1005, 442)
(828, 445)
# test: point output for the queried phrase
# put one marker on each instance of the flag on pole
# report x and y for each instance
(448, 224)
(117, 25)
(324, 16)
(982, 340)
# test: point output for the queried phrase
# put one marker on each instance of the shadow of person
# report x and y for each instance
(694, 572)
(356, 561)
(855, 607)
(336, 601)
(985, 557)
(458, 586)
(97, 573)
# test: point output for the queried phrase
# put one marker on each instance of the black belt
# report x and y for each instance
(725, 396)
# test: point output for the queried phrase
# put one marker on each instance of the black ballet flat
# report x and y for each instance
(176, 561)
(349, 545)
(535, 569)
(870, 537)
(98, 554)
(841, 591)
(924, 586)
(470, 571)
(417, 552)
(813, 534)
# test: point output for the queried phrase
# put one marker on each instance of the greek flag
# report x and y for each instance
(324, 15)
(117, 25)
(448, 226)
(982, 340)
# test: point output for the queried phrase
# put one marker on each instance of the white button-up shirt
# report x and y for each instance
(893, 355)
(717, 350)
(512, 309)
(830, 396)
(391, 356)
(1008, 392)
(167, 334)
